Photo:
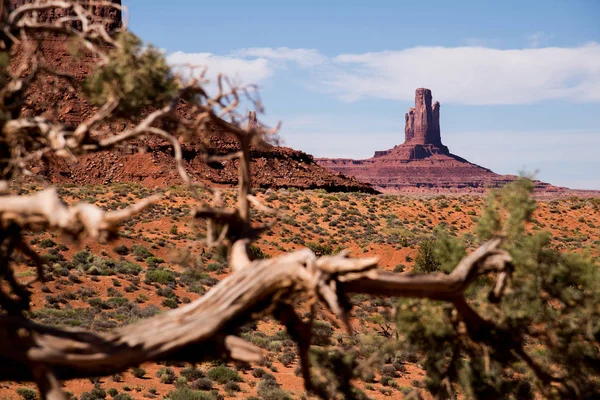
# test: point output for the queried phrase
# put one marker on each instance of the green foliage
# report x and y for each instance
(269, 389)
(185, 393)
(256, 253)
(166, 375)
(507, 210)
(27, 393)
(439, 253)
(160, 276)
(138, 372)
(425, 261)
(223, 374)
(44, 244)
(138, 76)
(140, 252)
(552, 309)
(320, 249)
(121, 250)
(153, 262)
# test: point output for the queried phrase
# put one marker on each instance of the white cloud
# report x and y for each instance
(241, 70)
(465, 75)
(469, 75)
(304, 57)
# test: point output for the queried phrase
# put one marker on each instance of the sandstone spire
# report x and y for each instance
(422, 122)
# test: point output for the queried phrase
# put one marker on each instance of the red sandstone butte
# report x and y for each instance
(422, 163)
(150, 161)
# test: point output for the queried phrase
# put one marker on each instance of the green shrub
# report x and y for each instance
(121, 250)
(169, 303)
(320, 249)
(128, 268)
(160, 276)
(256, 253)
(82, 257)
(166, 375)
(44, 244)
(27, 393)
(138, 372)
(223, 374)
(140, 253)
(425, 261)
(137, 75)
(153, 262)
(192, 373)
(189, 394)
(216, 267)
(202, 384)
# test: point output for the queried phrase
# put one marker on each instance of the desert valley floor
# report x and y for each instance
(161, 263)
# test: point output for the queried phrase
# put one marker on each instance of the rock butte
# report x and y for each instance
(422, 163)
(272, 166)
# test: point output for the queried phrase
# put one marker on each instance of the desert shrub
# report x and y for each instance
(399, 268)
(320, 249)
(97, 393)
(170, 303)
(27, 393)
(202, 384)
(160, 276)
(287, 358)
(425, 261)
(140, 253)
(233, 387)
(192, 373)
(269, 389)
(256, 253)
(322, 332)
(121, 250)
(166, 292)
(46, 243)
(138, 372)
(223, 374)
(122, 396)
(153, 262)
(258, 372)
(389, 370)
(127, 268)
(185, 393)
(112, 392)
(216, 267)
(82, 257)
(166, 375)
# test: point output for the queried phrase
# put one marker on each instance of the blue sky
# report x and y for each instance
(518, 81)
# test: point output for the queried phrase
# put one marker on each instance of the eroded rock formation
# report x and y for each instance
(272, 166)
(422, 163)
